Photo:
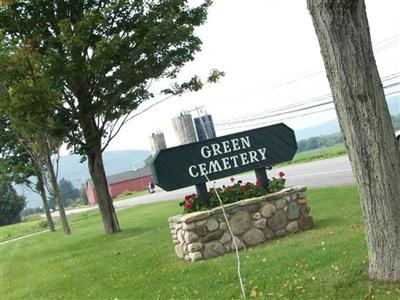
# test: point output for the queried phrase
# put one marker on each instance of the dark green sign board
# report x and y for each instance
(182, 166)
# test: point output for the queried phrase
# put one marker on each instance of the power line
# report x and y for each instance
(293, 117)
(286, 109)
(298, 115)
(303, 102)
(279, 120)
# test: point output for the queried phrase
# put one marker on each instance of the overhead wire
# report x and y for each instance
(285, 111)
(295, 116)
(292, 105)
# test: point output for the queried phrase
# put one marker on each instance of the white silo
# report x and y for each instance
(184, 128)
(157, 142)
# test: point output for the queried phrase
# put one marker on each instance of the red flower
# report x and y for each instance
(187, 197)
(188, 205)
(281, 174)
(243, 187)
(258, 182)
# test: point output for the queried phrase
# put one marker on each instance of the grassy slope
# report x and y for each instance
(10, 232)
(139, 263)
(317, 154)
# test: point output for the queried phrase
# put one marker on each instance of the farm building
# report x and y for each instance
(132, 181)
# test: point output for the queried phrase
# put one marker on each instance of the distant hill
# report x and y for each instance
(326, 128)
(72, 169)
(332, 126)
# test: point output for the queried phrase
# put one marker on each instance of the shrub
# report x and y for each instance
(43, 224)
(232, 193)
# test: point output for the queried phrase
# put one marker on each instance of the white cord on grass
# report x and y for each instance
(233, 240)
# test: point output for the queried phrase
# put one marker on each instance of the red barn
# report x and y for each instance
(132, 181)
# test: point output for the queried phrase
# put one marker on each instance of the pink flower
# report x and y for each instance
(187, 197)
(281, 174)
(188, 205)
(258, 182)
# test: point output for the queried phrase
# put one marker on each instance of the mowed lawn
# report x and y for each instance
(328, 262)
(317, 154)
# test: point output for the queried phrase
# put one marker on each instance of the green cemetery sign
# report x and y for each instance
(182, 166)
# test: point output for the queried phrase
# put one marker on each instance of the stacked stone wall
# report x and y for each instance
(205, 234)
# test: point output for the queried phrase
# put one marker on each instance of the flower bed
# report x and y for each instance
(233, 193)
(204, 234)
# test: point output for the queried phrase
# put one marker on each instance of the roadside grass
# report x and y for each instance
(127, 195)
(36, 224)
(317, 154)
(327, 262)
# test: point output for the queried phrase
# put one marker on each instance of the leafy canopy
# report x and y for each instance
(10, 204)
(99, 58)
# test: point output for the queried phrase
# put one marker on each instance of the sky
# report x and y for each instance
(270, 54)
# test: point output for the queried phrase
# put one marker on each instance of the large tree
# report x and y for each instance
(343, 33)
(18, 166)
(10, 204)
(68, 191)
(28, 101)
(103, 57)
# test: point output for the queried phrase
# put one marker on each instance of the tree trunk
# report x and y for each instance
(57, 195)
(343, 33)
(42, 191)
(104, 200)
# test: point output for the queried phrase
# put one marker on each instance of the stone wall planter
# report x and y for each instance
(204, 234)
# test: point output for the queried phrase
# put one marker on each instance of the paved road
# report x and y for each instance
(322, 173)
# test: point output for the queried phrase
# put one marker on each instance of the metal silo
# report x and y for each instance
(205, 127)
(157, 142)
(184, 128)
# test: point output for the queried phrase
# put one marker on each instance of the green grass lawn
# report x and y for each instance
(127, 195)
(328, 262)
(34, 225)
(317, 154)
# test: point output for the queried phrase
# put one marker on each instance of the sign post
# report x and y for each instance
(202, 192)
(261, 175)
(186, 165)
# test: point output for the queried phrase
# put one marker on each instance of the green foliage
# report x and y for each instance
(10, 204)
(231, 193)
(320, 142)
(42, 224)
(68, 191)
(330, 140)
(95, 60)
(16, 165)
(52, 202)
